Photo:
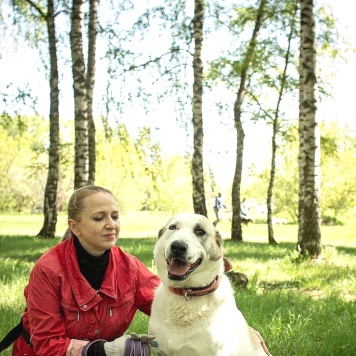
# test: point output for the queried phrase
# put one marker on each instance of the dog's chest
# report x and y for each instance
(197, 327)
(178, 312)
(185, 313)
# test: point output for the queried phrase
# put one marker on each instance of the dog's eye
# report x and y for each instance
(172, 227)
(200, 232)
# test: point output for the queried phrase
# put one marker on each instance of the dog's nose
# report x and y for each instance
(179, 248)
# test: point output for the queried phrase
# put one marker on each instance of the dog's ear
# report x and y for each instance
(161, 232)
(218, 238)
(216, 252)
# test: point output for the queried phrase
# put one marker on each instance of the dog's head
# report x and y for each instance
(188, 251)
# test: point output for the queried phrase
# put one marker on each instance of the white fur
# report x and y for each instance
(207, 325)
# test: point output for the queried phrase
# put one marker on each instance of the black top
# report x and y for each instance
(93, 269)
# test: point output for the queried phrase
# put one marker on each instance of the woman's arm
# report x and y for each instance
(47, 328)
(147, 283)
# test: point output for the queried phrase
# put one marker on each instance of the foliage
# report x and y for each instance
(285, 195)
(338, 190)
(21, 164)
(142, 177)
(134, 64)
(330, 220)
(338, 155)
(268, 58)
(135, 169)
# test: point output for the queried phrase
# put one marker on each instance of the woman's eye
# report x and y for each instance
(115, 217)
(98, 218)
(172, 227)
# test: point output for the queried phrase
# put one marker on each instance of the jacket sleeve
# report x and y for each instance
(147, 282)
(47, 329)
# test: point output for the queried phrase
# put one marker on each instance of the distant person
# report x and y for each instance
(219, 204)
(244, 209)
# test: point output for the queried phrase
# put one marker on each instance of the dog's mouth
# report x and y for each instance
(180, 270)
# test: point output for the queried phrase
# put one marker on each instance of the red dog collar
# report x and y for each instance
(188, 293)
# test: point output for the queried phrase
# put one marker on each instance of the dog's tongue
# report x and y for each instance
(178, 267)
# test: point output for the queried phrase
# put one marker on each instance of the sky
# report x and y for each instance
(341, 105)
(220, 139)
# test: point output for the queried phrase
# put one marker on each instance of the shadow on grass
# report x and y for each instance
(19, 253)
(28, 248)
(257, 250)
(347, 250)
(264, 251)
(295, 324)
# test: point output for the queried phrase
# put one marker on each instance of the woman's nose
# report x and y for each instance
(110, 224)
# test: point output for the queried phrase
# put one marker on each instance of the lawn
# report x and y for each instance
(301, 308)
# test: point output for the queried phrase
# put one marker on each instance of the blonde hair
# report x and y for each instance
(76, 204)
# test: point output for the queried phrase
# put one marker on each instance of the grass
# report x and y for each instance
(143, 224)
(301, 308)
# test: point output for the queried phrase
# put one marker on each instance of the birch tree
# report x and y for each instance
(90, 81)
(50, 198)
(276, 125)
(236, 230)
(197, 159)
(81, 160)
(48, 229)
(309, 216)
(83, 85)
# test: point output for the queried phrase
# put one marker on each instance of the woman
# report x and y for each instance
(83, 293)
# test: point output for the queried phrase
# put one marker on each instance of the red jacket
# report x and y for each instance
(61, 304)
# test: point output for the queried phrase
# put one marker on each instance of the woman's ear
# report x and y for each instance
(73, 225)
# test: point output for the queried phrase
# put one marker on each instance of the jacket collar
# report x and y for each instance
(85, 295)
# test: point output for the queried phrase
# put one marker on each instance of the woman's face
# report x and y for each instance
(99, 226)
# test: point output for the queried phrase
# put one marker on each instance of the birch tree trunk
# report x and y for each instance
(93, 20)
(197, 161)
(309, 217)
(276, 124)
(48, 229)
(81, 159)
(236, 230)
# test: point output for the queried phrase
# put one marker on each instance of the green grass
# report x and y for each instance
(143, 224)
(301, 308)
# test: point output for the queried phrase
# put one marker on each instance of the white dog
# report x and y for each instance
(194, 311)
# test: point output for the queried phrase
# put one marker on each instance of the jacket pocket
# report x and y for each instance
(119, 315)
(125, 303)
(76, 321)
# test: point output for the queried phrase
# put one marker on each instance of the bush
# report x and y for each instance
(330, 221)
